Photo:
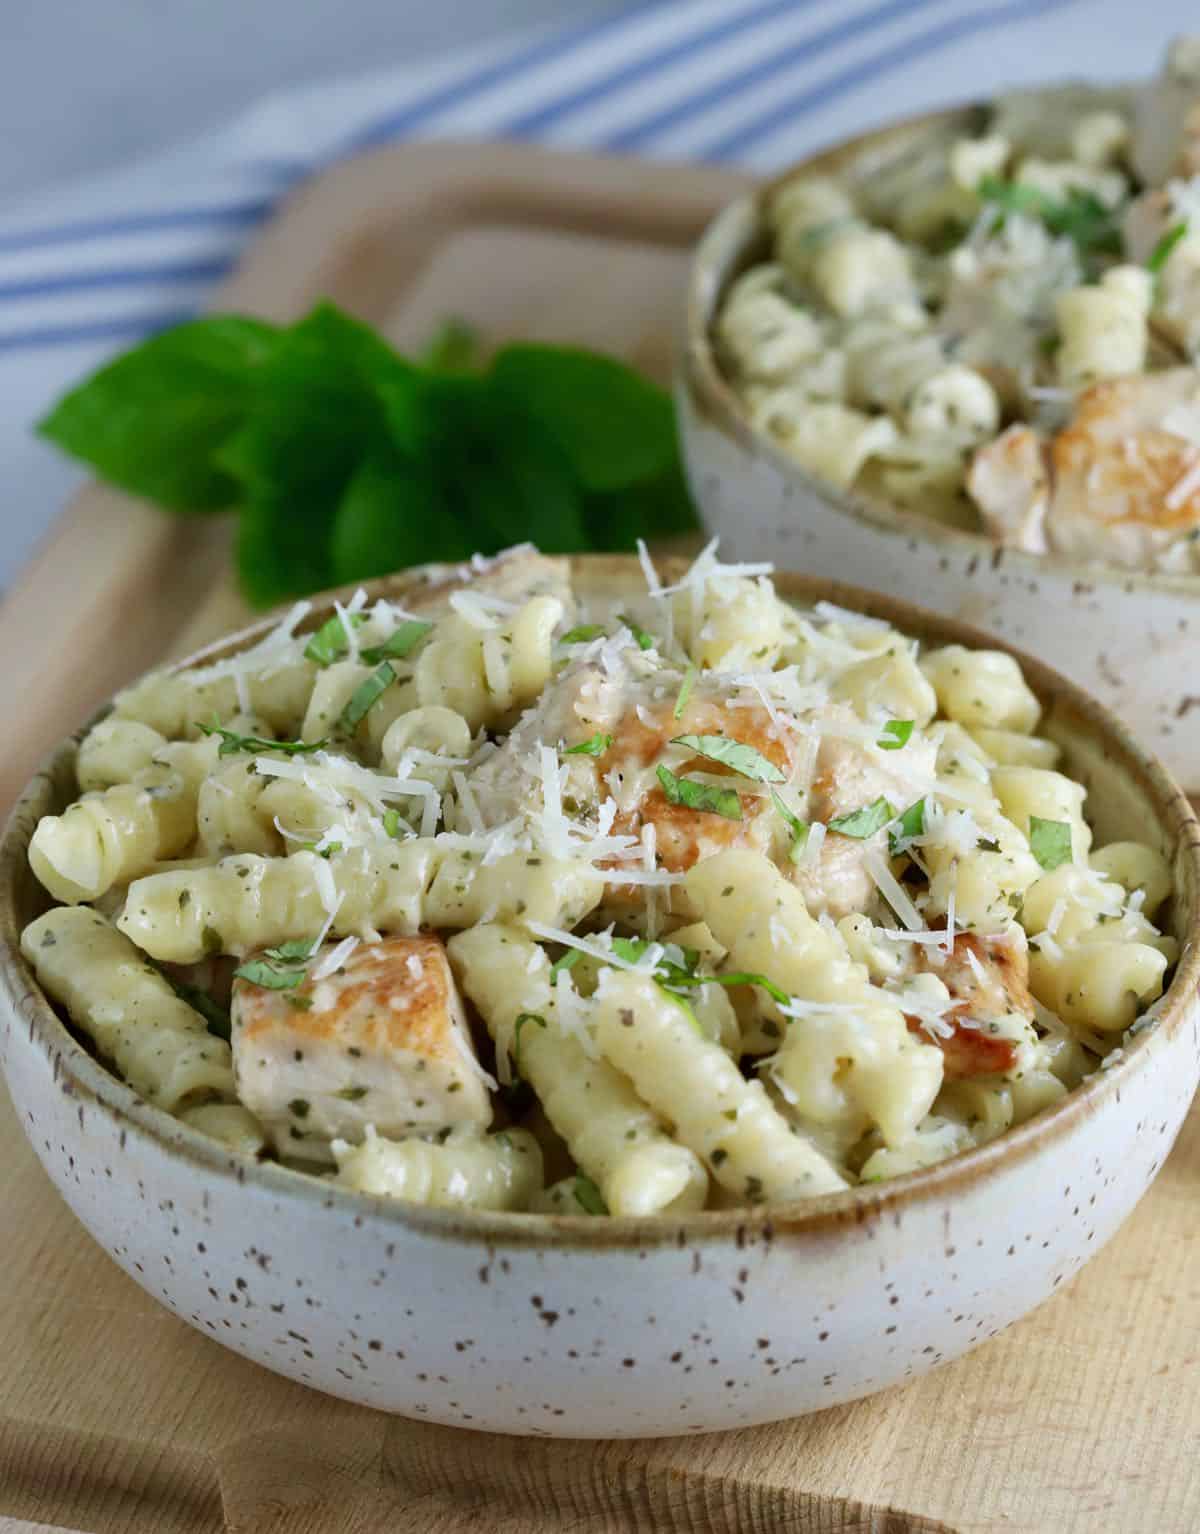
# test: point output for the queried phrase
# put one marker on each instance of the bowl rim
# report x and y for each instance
(721, 253)
(77, 1071)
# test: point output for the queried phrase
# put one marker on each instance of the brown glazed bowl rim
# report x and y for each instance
(736, 236)
(815, 1218)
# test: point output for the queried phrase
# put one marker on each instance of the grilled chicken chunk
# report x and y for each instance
(989, 978)
(382, 1040)
(1120, 483)
(1009, 480)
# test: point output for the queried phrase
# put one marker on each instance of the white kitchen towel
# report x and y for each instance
(89, 268)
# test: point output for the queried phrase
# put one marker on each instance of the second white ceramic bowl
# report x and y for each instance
(1128, 638)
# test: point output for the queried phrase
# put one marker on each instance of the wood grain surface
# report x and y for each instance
(115, 1418)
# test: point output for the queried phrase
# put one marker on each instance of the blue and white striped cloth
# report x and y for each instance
(87, 269)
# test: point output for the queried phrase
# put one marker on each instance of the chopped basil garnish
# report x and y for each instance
(1080, 215)
(352, 1094)
(525, 1017)
(895, 734)
(583, 634)
(865, 822)
(1050, 842)
(330, 642)
(294, 948)
(587, 1195)
(568, 961)
(232, 743)
(594, 745)
(739, 977)
(322, 852)
(743, 759)
(365, 697)
(644, 641)
(685, 691)
(700, 796)
(799, 828)
(398, 644)
(392, 824)
(908, 825)
(1161, 253)
(272, 977)
(216, 1017)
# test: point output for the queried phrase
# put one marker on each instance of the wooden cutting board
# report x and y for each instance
(115, 1418)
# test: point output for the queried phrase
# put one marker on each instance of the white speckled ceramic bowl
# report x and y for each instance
(1126, 637)
(610, 1327)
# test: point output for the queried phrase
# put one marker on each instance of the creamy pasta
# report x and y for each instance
(682, 900)
(999, 329)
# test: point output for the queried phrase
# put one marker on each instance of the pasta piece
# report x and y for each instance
(612, 1134)
(767, 337)
(1102, 334)
(892, 1079)
(858, 268)
(1135, 866)
(460, 1171)
(437, 731)
(160, 1045)
(115, 751)
(981, 689)
(246, 902)
(486, 674)
(520, 887)
(113, 836)
(228, 813)
(1101, 984)
(828, 439)
(1012, 749)
(176, 703)
(1033, 791)
(727, 1121)
(230, 1123)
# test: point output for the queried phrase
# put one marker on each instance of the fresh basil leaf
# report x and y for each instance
(735, 754)
(364, 698)
(685, 692)
(911, 823)
(645, 641)
(865, 822)
(594, 745)
(1161, 253)
(382, 516)
(799, 828)
(216, 1017)
(317, 425)
(700, 796)
(294, 948)
(453, 347)
(399, 643)
(583, 634)
(895, 734)
(614, 427)
(270, 977)
(1050, 842)
(588, 1195)
(330, 641)
(566, 961)
(657, 508)
(1079, 215)
(740, 977)
(153, 420)
(232, 743)
(393, 825)
(522, 1020)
